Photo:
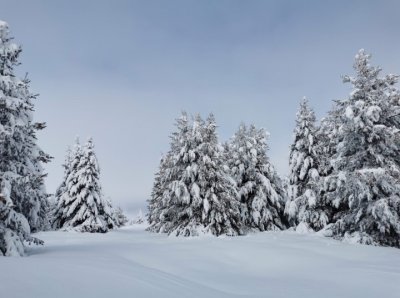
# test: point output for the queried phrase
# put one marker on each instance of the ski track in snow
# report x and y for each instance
(131, 262)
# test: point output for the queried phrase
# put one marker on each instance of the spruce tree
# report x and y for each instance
(14, 227)
(364, 187)
(260, 190)
(156, 208)
(160, 216)
(192, 194)
(220, 208)
(23, 202)
(72, 160)
(20, 153)
(305, 204)
(119, 217)
(81, 205)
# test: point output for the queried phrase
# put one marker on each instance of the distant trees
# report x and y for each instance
(79, 202)
(23, 201)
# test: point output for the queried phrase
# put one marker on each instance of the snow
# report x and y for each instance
(3, 25)
(131, 262)
(349, 113)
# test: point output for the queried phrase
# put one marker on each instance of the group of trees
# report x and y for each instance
(24, 203)
(344, 177)
(345, 172)
(204, 187)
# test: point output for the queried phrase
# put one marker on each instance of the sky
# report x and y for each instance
(122, 71)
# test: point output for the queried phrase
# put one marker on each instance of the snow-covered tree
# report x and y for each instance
(156, 208)
(19, 151)
(192, 193)
(305, 205)
(14, 227)
(260, 190)
(24, 204)
(220, 209)
(69, 157)
(119, 217)
(81, 204)
(72, 160)
(364, 187)
(139, 218)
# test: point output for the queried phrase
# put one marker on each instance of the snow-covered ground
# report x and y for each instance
(133, 263)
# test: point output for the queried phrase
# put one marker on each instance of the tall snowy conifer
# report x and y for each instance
(364, 186)
(260, 190)
(20, 153)
(81, 204)
(157, 203)
(24, 203)
(71, 163)
(304, 204)
(220, 211)
(192, 194)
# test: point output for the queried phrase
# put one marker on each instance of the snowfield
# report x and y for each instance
(131, 262)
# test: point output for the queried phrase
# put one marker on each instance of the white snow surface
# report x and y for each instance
(131, 262)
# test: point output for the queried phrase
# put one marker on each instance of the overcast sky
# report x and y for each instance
(121, 71)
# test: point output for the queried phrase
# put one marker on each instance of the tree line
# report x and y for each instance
(343, 177)
(343, 182)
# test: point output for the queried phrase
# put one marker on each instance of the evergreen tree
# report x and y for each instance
(23, 203)
(81, 205)
(14, 227)
(305, 204)
(19, 151)
(363, 187)
(119, 217)
(260, 190)
(139, 218)
(220, 209)
(67, 169)
(156, 208)
(192, 194)
(72, 160)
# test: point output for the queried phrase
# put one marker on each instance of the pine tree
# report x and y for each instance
(81, 205)
(157, 203)
(139, 218)
(20, 153)
(14, 227)
(119, 217)
(72, 160)
(305, 204)
(220, 208)
(364, 187)
(160, 216)
(24, 203)
(260, 189)
(67, 169)
(192, 194)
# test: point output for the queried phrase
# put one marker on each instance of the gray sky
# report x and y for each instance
(121, 71)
